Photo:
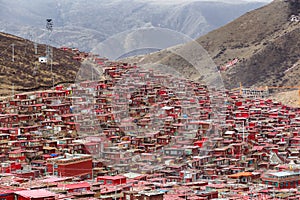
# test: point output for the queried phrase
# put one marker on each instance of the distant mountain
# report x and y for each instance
(265, 41)
(82, 24)
(20, 70)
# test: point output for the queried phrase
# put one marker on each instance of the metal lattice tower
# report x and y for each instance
(49, 52)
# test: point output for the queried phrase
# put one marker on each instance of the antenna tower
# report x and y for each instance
(49, 27)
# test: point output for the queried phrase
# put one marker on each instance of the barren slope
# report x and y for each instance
(25, 72)
(265, 41)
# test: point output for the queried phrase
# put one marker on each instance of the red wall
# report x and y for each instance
(7, 196)
(73, 169)
(114, 181)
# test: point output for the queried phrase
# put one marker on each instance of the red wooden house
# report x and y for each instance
(18, 155)
(80, 187)
(51, 122)
(76, 165)
(61, 108)
(28, 129)
(50, 113)
(40, 194)
(21, 96)
(111, 180)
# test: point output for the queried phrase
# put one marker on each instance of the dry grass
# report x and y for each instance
(291, 98)
(26, 73)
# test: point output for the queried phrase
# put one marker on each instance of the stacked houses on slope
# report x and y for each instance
(141, 134)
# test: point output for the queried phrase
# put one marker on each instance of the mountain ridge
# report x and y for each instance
(83, 24)
(264, 40)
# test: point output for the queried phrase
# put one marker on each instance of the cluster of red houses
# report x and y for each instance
(78, 55)
(142, 134)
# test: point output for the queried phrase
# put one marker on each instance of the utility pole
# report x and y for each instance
(52, 67)
(13, 90)
(35, 48)
(13, 52)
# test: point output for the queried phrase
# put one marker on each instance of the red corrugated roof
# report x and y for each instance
(112, 177)
(40, 193)
(76, 185)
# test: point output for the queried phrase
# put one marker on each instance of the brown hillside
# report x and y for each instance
(265, 41)
(26, 73)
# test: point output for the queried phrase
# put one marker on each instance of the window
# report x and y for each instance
(55, 165)
(109, 182)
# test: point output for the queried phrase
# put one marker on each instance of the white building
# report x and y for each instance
(43, 59)
(295, 18)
